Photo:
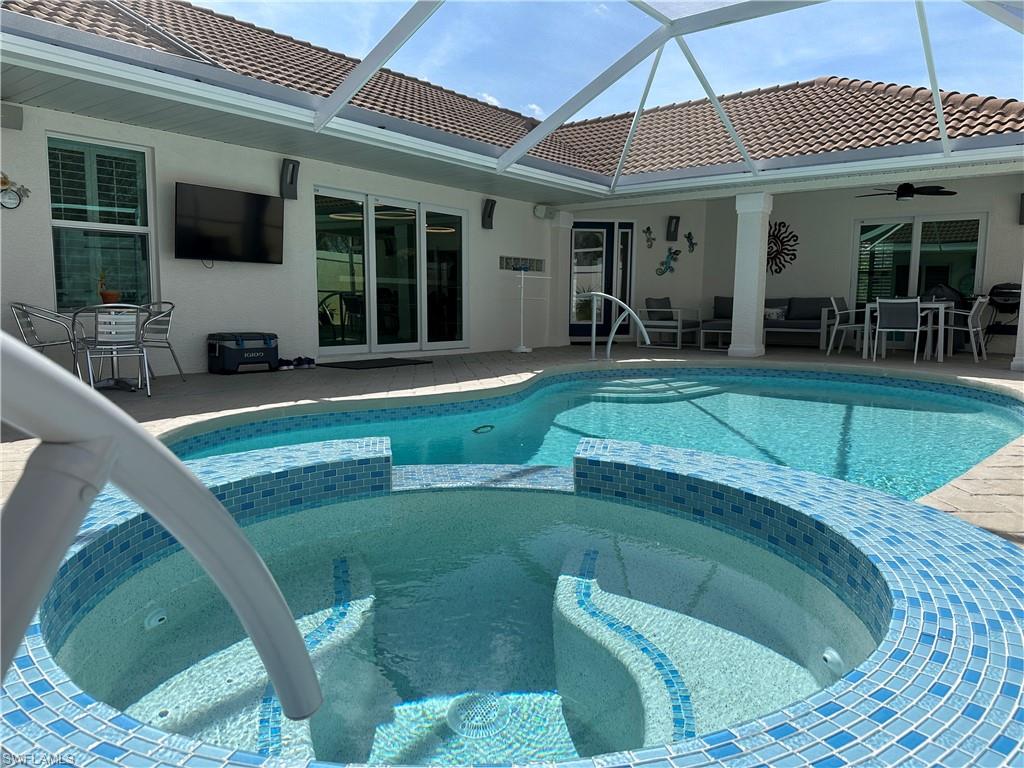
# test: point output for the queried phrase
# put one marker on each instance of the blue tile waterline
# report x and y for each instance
(940, 574)
(683, 720)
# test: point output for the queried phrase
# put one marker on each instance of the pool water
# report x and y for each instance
(902, 440)
(434, 622)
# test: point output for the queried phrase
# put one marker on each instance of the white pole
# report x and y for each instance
(593, 326)
(522, 314)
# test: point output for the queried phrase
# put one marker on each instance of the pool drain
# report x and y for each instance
(478, 715)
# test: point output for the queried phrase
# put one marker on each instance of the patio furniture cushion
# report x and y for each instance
(807, 308)
(776, 303)
(723, 307)
(655, 304)
(809, 325)
(718, 324)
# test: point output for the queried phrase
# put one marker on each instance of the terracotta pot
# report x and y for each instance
(110, 297)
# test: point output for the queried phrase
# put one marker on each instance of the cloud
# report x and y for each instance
(494, 101)
(535, 110)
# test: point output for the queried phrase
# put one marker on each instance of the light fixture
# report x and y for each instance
(346, 216)
(438, 230)
(395, 215)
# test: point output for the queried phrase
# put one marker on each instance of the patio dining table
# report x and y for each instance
(935, 306)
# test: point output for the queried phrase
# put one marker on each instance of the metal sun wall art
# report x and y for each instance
(782, 243)
(670, 258)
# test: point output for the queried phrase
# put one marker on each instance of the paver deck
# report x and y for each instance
(990, 495)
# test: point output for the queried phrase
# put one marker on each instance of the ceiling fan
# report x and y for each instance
(908, 191)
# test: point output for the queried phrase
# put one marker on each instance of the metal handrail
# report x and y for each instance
(594, 297)
(87, 440)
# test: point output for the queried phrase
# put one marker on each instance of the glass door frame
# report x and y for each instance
(462, 213)
(370, 298)
(611, 279)
(917, 222)
(371, 228)
(370, 273)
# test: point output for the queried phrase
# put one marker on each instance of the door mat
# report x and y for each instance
(380, 362)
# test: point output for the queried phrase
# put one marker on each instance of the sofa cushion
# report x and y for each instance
(723, 307)
(775, 303)
(795, 325)
(807, 308)
(718, 324)
(653, 305)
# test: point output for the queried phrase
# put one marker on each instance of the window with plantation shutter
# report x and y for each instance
(101, 233)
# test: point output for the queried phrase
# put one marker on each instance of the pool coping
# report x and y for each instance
(943, 687)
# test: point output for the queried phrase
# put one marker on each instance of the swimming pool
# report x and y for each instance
(900, 436)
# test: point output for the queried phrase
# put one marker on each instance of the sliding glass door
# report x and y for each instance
(916, 255)
(390, 274)
(396, 262)
(340, 272)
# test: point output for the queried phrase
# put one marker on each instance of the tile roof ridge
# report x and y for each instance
(952, 99)
(529, 121)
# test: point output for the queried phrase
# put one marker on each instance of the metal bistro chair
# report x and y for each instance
(25, 316)
(846, 320)
(900, 316)
(156, 331)
(117, 333)
(974, 328)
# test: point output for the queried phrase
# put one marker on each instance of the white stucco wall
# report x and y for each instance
(824, 221)
(234, 296)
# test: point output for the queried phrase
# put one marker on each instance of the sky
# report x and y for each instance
(532, 56)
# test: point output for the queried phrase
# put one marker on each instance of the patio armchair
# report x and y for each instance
(900, 316)
(658, 316)
(156, 331)
(845, 320)
(26, 315)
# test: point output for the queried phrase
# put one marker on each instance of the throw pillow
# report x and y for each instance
(774, 313)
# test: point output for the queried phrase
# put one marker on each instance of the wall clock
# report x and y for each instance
(9, 198)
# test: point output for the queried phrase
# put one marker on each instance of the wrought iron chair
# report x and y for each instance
(900, 316)
(117, 333)
(25, 315)
(846, 320)
(156, 331)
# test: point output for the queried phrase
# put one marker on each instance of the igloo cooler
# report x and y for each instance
(226, 351)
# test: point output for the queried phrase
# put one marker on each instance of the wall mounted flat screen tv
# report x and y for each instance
(224, 225)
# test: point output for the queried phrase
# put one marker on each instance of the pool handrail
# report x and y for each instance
(626, 311)
(87, 440)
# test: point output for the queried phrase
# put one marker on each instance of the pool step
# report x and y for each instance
(669, 675)
(474, 728)
(226, 697)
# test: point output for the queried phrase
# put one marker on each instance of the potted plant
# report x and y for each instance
(107, 296)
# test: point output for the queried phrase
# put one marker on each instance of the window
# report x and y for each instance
(98, 205)
(588, 252)
(914, 256)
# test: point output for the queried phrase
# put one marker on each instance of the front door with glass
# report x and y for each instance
(600, 260)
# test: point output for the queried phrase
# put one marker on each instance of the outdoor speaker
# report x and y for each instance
(672, 231)
(487, 219)
(289, 179)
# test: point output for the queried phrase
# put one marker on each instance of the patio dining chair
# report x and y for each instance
(846, 320)
(116, 334)
(972, 326)
(156, 331)
(900, 316)
(26, 315)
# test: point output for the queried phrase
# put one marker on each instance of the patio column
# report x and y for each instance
(752, 211)
(560, 248)
(1018, 356)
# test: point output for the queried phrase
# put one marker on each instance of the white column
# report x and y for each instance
(560, 247)
(1018, 356)
(752, 211)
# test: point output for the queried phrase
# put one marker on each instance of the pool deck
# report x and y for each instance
(990, 494)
